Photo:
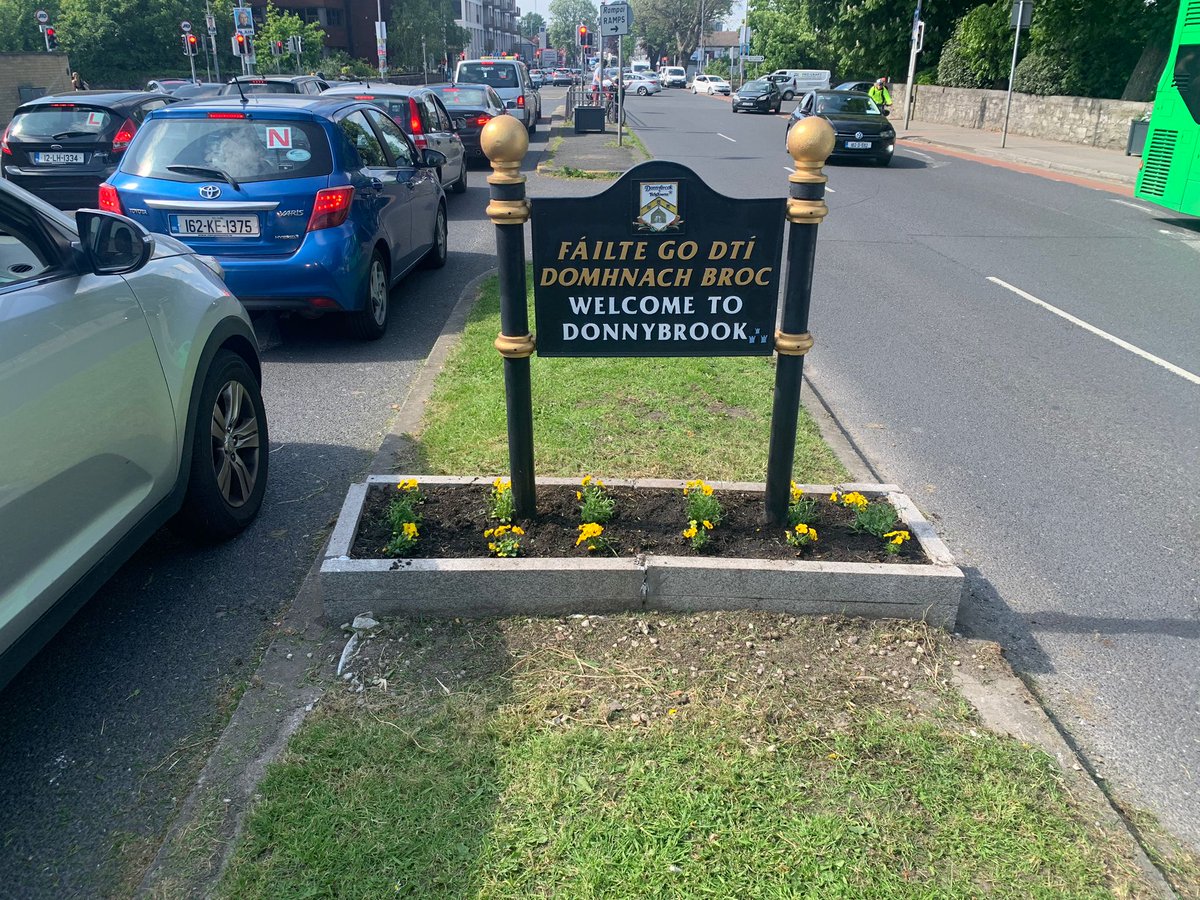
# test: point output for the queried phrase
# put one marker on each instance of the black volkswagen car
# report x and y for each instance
(471, 106)
(759, 95)
(62, 146)
(862, 129)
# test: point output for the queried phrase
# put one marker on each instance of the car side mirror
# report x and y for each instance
(433, 159)
(112, 244)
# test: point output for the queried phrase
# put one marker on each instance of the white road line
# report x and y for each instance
(1125, 345)
(1137, 206)
(924, 156)
(828, 189)
(727, 137)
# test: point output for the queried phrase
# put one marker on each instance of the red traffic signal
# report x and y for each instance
(240, 45)
(51, 38)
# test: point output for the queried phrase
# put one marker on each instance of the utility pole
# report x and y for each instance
(381, 39)
(1022, 13)
(210, 23)
(916, 39)
(424, 62)
(700, 63)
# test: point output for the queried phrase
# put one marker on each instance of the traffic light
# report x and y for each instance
(241, 46)
(277, 48)
(51, 38)
(582, 38)
(191, 44)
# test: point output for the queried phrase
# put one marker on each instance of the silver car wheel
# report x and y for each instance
(378, 289)
(235, 444)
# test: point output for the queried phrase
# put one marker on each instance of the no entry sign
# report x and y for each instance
(657, 265)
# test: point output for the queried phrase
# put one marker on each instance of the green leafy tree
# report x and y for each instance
(280, 25)
(98, 38)
(565, 15)
(531, 24)
(677, 23)
(18, 27)
(979, 53)
(428, 20)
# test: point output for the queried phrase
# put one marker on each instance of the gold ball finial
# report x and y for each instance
(505, 140)
(810, 141)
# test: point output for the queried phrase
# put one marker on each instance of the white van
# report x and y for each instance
(793, 82)
(673, 76)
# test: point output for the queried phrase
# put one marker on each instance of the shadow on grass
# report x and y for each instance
(390, 791)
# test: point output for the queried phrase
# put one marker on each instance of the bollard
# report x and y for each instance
(505, 142)
(809, 142)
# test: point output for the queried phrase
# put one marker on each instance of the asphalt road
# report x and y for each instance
(105, 731)
(1060, 467)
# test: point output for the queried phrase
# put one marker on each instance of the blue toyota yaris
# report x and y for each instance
(311, 204)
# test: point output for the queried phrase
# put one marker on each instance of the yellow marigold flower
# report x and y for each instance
(691, 530)
(409, 484)
(492, 547)
(587, 479)
(410, 530)
(812, 534)
(707, 524)
(707, 489)
(898, 537)
(489, 532)
(517, 529)
(801, 528)
(672, 711)
(578, 495)
(796, 492)
(599, 483)
(854, 498)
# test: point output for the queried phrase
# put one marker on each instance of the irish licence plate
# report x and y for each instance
(858, 145)
(57, 159)
(235, 226)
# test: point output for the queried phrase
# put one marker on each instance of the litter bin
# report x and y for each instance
(1138, 129)
(589, 119)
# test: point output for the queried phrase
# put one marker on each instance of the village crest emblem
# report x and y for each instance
(658, 207)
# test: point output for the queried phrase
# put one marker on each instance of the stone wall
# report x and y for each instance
(1076, 120)
(24, 76)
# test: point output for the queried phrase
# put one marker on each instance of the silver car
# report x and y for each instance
(129, 395)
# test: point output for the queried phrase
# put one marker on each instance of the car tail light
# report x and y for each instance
(123, 136)
(416, 129)
(110, 200)
(483, 120)
(330, 208)
(4, 148)
(226, 115)
(521, 101)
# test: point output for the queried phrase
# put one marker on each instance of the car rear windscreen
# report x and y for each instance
(244, 148)
(60, 122)
(463, 96)
(263, 87)
(497, 75)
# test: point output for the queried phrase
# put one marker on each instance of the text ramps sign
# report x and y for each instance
(615, 19)
(659, 264)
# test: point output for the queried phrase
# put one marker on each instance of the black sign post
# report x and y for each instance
(809, 142)
(659, 264)
(505, 141)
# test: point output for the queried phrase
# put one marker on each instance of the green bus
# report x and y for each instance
(1170, 174)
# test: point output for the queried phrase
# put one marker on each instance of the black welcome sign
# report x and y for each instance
(659, 264)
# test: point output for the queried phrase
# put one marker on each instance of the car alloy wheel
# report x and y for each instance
(377, 292)
(642, 91)
(436, 257)
(235, 445)
(227, 471)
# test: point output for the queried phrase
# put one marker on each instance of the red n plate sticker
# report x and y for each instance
(279, 138)
(95, 119)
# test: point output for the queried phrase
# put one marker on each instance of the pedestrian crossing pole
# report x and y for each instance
(505, 142)
(809, 142)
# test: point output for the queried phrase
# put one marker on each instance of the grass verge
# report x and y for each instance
(719, 755)
(670, 418)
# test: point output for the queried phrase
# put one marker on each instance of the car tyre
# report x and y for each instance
(460, 186)
(642, 92)
(532, 127)
(438, 253)
(788, 95)
(227, 474)
(370, 322)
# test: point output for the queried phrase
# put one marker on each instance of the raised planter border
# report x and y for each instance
(484, 586)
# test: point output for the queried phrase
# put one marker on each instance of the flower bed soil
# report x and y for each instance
(646, 521)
